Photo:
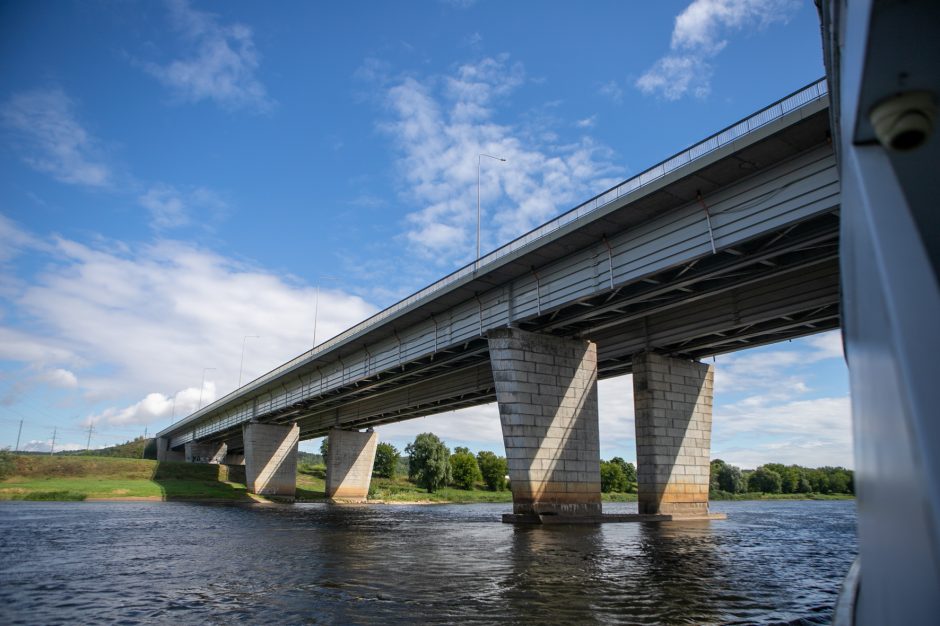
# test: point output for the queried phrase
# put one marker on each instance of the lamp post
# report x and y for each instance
(242, 364)
(479, 166)
(203, 385)
(316, 307)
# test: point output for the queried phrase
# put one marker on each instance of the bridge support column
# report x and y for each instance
(271, 458)
(546, 389)
(673, 408)
(205, 452)
(349, 462)
(164, 453)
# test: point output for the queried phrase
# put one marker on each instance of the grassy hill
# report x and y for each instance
(47, 477)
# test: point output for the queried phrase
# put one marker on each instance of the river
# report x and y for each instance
(770, 562)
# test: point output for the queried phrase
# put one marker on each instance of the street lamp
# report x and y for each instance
(242, 364)
(479, 165)
(316, 307)
(203, 385)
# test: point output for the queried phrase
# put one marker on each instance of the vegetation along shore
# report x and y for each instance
(428, 472)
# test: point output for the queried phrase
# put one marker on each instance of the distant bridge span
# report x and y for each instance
(730, 244)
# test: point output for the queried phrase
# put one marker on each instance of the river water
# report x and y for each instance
(169, 562)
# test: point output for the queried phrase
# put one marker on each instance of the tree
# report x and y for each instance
(324, 448)
(386, 460)
(715, 468)
(730, 479)
(428, 461)
(629, 470)
(764, 480)
(464, 470)
(613, 477)
(493, 469)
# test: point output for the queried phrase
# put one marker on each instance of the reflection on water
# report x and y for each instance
(770, 562)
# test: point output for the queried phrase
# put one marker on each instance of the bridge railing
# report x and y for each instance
(804, 96)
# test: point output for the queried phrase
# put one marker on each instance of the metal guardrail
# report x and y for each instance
(768, 114)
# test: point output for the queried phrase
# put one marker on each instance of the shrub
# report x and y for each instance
(765, 480)
(629, 471)
(613, 477)
(6, 463)
(386, 460)
(464, 470)
(493, 469)
(428, 462)
(731, 480)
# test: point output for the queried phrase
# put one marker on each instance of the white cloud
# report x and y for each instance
(52, 141)
(221, 66)
(588, 122)
(37, 351)
(674, 75)
(699, 35)
(170, 208)
(45, 445)
(14, 240)
(441, 125)
(611, 90)
(809, 432)
(157, 406)
(60, 378)
(777, 371)
(459, 4)
(151, 317)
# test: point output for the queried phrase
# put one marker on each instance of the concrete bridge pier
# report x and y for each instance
(673, 408)
(164, 453)
(271, 458)
(205, 452)
(349, 462)
(546, 389)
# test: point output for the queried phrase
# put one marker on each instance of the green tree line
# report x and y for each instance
(778, 478)
(430, 464)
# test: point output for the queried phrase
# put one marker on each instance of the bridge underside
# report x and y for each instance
(781, 285)
(735, 247)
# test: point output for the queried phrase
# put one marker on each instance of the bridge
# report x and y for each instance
(729, 244)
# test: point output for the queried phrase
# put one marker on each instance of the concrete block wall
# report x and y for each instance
(546, 389)
(205, 452)
(271, 458)
(164, 453)
(349, 464)
(673, 408)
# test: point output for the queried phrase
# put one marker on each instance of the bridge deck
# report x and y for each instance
(632, 269)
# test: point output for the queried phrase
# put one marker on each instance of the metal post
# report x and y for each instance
(479, 214)
(316, 308)
(91, 427)
(52, 451)
(245, 339)
(203, 385)
(19, 432)
(316, 314)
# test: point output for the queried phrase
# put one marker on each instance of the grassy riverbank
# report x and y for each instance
(40, 477)
(37, 477)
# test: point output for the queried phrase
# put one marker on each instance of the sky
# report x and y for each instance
(190, 190)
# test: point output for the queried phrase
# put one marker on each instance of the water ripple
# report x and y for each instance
(161, 563)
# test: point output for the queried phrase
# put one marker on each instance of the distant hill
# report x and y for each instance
(138, 448)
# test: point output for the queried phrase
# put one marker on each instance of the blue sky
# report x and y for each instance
(177, 176)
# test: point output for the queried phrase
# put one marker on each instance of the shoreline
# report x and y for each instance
(255, 499)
